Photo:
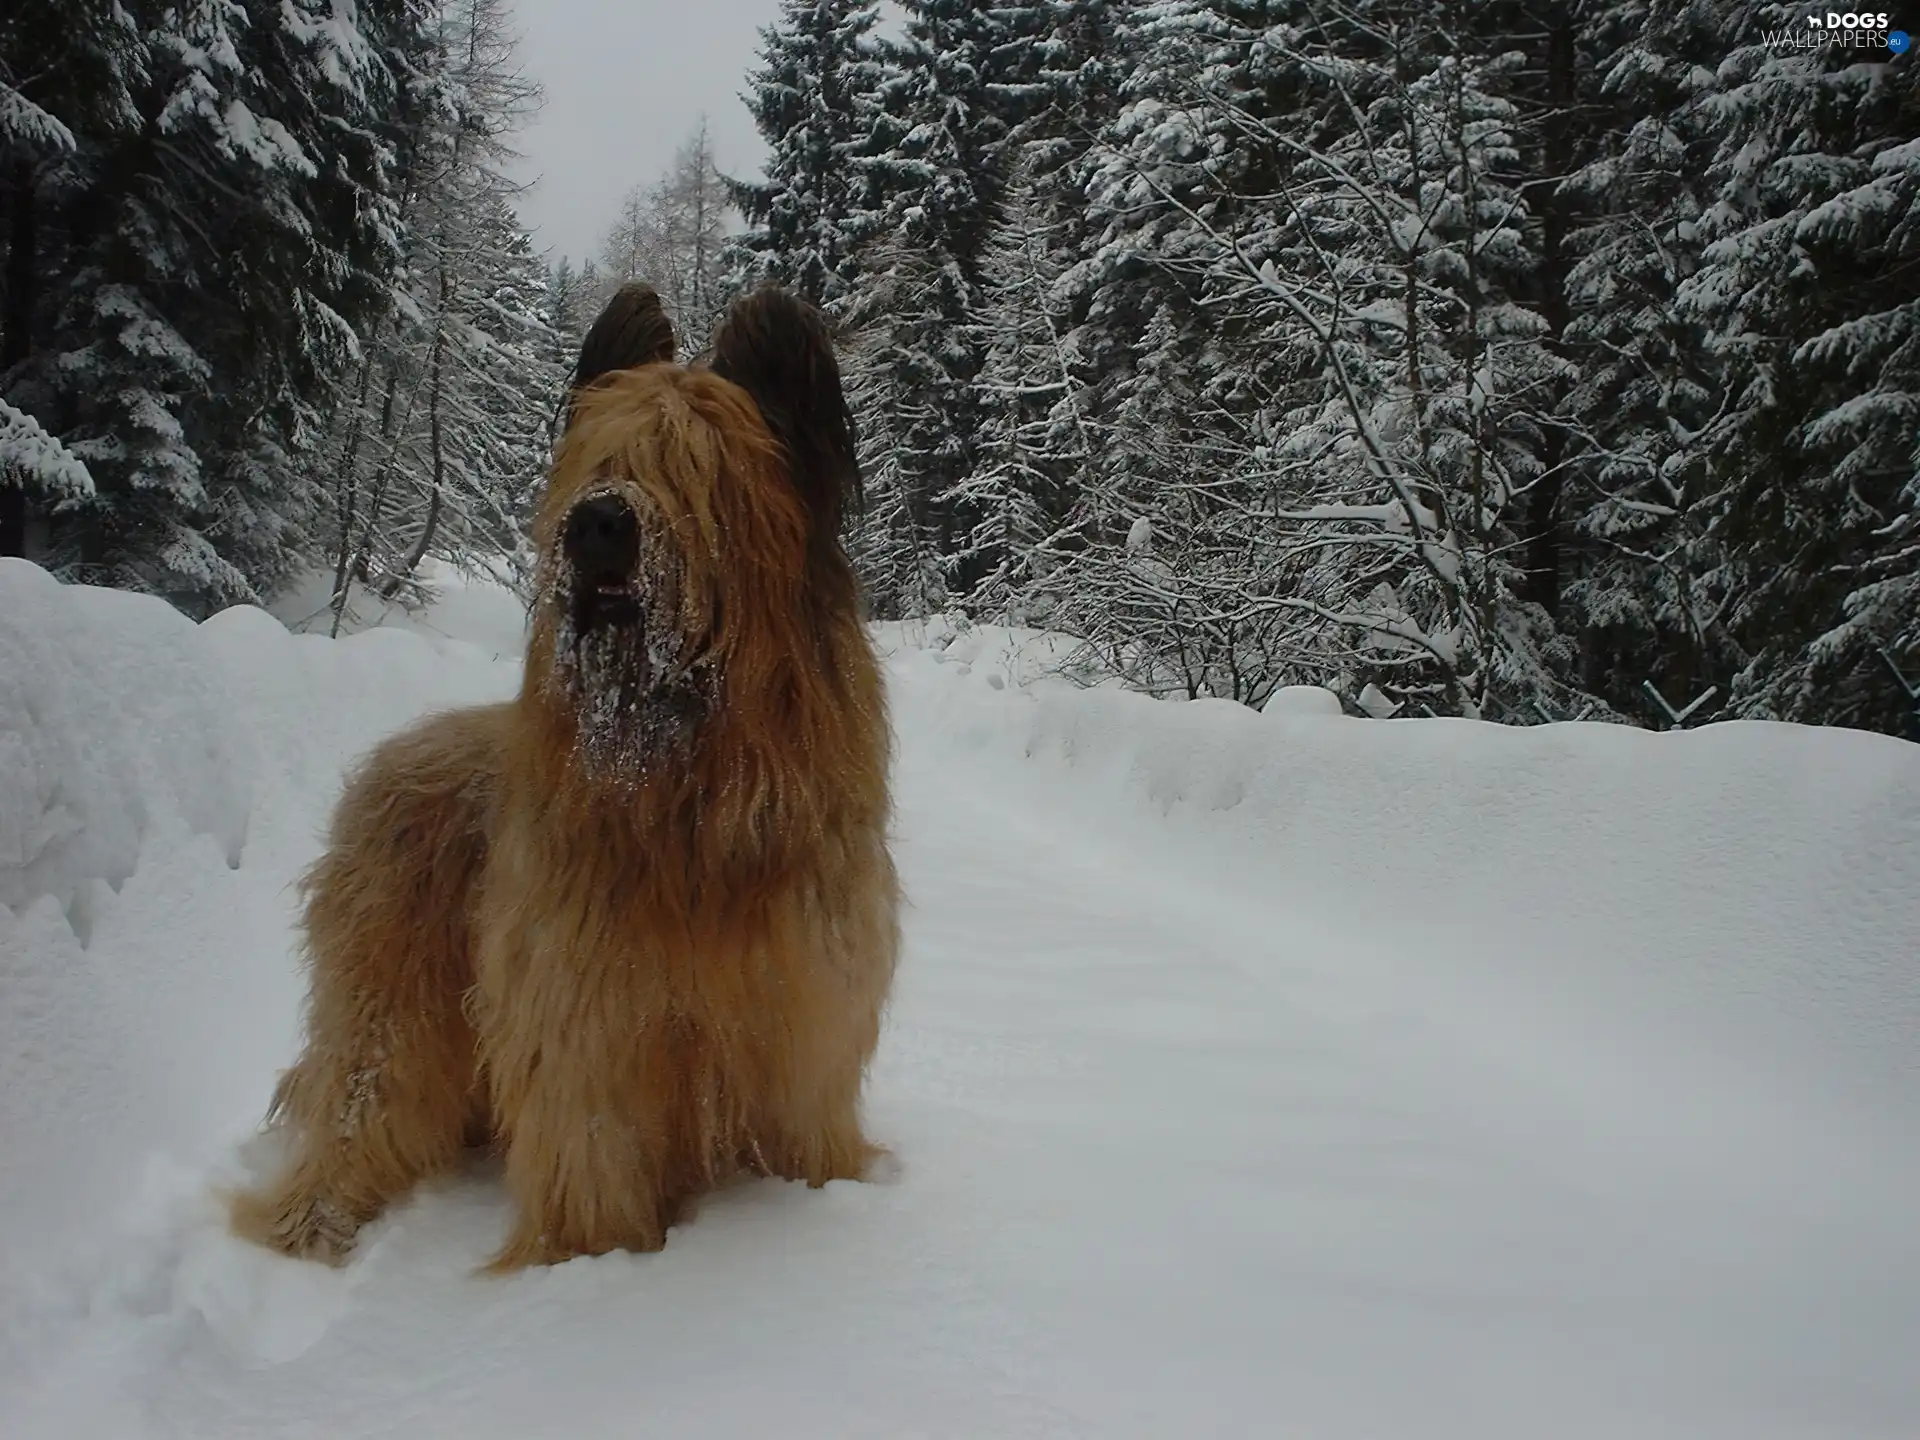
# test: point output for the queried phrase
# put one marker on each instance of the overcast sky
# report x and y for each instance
(626, 81)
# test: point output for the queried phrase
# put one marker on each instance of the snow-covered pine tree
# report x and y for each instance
(516, 364)
(1169, 465)
(893, 541)
(813, 100)
(198, 263)
(52, 64)
(1036, 443)
(1336, 245)
(441, 435)
(1810, 296)
(593, 290)
(567, 313)
(1066, 94)
(672, 234)
(1647, 387)
(956, 84)
(1039, 445)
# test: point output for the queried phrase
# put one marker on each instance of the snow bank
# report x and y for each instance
(466, 613)
(152, 774)
(1001, 655)
(1766, 875)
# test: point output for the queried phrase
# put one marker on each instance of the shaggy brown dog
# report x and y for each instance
(637, 926)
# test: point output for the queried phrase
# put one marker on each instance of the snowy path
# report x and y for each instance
(1193, 1140)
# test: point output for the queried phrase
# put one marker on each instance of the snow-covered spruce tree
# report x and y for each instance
(1810, 297)
(892, 541)
(1438, 377)
(53, 64)
(673, 235)
(1647, 388)
(1170, 463)
(1334, 209)
(813, 99)
(956, 84)
(567, 312)
(593, 291)
(1153, 560)
(1039, 445)
(441, 434)
(198, 262)
(523, 368)
(1036, 444)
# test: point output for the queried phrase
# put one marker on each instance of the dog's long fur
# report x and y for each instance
(643, 967)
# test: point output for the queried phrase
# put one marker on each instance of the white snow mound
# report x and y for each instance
(1303, 700)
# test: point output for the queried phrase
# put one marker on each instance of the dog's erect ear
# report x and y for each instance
(775, 346)
(633, 329)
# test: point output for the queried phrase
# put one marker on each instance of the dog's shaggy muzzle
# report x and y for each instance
(630, 664)
(601, 543)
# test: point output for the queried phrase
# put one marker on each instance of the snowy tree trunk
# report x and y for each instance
(1541, 521)
(436, 442)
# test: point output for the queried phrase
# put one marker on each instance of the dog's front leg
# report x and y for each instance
(583, 1181)
(586, 1153)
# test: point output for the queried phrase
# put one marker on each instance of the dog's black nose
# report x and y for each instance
(602, 536)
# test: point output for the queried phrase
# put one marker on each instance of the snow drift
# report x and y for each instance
(1767, 872)
(160, 785)
(1273, 1073)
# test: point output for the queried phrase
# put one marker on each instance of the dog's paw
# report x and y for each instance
(262, 1305)
(305, 1227)
(521, 1253)
(527, 1249)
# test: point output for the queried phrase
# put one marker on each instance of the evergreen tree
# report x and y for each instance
(813, 100)
(1040, 445)
(1809, 292)
(53, 63)
(569, 309)
(894, 544)
(1036, 444)
(194, 272)
(1647, 387)
(440, 436)
(958, 84)
(672, 234)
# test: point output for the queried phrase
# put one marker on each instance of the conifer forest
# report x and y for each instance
(1514, 361)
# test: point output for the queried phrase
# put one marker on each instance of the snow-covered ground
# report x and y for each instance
(1256, 1075)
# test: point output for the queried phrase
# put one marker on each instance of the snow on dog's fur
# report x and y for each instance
(636, 927)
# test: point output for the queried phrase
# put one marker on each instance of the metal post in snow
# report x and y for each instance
(1678, 718)
(1548, 716)
(1912, 689)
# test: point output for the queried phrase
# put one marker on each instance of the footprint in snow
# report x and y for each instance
(178, 1261)
(262, 1305)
